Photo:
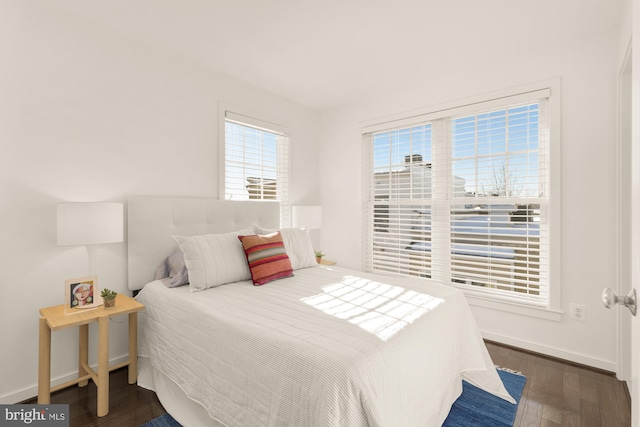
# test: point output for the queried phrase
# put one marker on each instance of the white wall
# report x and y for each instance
(88, 116)
(588, 70)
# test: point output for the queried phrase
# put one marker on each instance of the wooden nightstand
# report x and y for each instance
(326, 262)
(54, 319)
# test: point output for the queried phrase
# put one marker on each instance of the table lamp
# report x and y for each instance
(307, 216)
(90, 224)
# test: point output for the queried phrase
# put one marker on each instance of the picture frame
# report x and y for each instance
(81, 293)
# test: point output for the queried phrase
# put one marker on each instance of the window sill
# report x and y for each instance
(512, 307)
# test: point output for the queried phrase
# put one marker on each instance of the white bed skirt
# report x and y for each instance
(186, 411)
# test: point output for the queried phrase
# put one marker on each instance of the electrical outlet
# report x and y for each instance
(579, 312)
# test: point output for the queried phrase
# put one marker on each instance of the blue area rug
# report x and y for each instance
(477, 408)
(165, 420)
(474, 407)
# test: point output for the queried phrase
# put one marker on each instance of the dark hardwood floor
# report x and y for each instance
(129, 405)
(556, 394)
(564, 394)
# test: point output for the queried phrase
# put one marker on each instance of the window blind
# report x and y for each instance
(256, 162)
(463, 199)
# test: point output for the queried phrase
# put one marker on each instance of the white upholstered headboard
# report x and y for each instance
(153, 221)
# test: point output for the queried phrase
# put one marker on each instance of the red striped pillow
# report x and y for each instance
(267, 257)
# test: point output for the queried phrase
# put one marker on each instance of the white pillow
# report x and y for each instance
(214, 259)
(297, 243)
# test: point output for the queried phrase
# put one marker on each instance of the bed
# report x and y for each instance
(325, 346)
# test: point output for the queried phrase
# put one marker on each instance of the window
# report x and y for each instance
(256, 161)
(462, 195)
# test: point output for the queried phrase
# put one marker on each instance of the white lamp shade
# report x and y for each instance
(307, 216)
(90, 223)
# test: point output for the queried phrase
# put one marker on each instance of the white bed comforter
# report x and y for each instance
(327, 347)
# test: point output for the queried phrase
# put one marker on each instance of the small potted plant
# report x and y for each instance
(319, 255)
(109, 297)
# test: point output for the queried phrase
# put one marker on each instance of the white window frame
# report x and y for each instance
(260, 122)
(552, 311)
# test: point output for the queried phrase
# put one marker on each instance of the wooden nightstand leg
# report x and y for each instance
(44, 364)
(83, 353)
(133, 347)
(103, 366)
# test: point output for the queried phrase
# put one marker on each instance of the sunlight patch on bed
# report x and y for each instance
(378, 308)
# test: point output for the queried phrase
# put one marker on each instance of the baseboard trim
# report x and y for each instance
(31, 392)
(579, 359)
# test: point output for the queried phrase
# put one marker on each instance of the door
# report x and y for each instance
(635, 211)
(623, 285)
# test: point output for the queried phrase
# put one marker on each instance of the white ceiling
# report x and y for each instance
(325, 53)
